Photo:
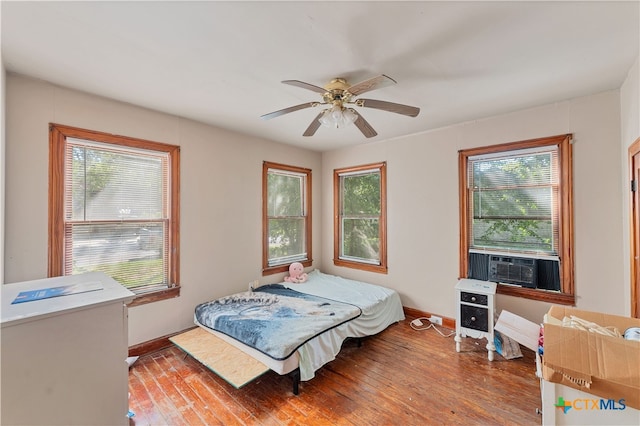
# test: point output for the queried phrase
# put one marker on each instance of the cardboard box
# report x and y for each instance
(601, 365)
(519, 329)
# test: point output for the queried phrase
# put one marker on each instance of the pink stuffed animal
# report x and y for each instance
(296, 273)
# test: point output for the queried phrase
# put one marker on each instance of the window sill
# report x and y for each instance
(533, 294)
(143, 299)
(381, 269)
(270, 270)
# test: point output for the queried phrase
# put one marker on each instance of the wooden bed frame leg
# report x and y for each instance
(295, 375)
(359, 340)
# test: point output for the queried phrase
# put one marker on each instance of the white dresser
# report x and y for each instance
(63, 358)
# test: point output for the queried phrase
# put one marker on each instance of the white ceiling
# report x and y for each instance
(221, 63)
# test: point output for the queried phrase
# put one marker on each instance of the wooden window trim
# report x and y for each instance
(57, 138)
(266, 269)
(383, 267)
(565, 158)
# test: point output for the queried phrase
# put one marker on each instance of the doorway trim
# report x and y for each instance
(634, 222)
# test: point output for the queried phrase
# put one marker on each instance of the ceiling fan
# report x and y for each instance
(339, 95)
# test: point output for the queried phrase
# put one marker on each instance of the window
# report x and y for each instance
(114, 208)
(516, 200)
(360, 225)
(286, 207)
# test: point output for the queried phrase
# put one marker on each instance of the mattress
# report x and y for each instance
(380, 307)
(274, 319)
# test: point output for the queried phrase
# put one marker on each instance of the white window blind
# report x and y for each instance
(117, 213)
(514, 201)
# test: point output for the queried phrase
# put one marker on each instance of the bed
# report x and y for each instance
(297, 328)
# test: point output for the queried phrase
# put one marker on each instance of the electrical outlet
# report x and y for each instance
(436, 320)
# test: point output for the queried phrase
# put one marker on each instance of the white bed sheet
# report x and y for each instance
(380, 307)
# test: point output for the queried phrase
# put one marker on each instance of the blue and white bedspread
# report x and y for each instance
(275, 330)
(273, 319)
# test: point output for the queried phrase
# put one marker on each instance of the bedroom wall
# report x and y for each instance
(422, 187)
(221, 244)
(221, 193)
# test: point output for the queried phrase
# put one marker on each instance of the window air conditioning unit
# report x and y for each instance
(513, 270)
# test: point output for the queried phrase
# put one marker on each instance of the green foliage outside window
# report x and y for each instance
(92, 171)
(361, 212)
(285, 210)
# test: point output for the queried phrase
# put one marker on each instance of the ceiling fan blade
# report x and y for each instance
(287, 110)
(364, 125)
(389, 106)
(371, 84)
(307, 86)
(314, 126)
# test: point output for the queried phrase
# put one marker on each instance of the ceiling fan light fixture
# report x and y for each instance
(337, 117)
(350, 115)
(339, 93)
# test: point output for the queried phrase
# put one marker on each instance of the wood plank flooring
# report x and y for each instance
(398, 377)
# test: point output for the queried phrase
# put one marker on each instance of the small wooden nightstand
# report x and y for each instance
(475, 312)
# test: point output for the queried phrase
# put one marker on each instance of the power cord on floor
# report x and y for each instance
(418, 325)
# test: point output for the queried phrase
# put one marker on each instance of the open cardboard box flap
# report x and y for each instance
(519, 329)
(595, 363)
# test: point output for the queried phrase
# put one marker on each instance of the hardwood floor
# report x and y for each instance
(398, 377)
